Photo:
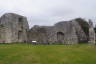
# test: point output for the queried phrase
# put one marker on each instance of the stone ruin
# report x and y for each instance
(14, 28)
(65, 32)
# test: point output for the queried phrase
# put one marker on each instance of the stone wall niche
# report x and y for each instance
(60, 37)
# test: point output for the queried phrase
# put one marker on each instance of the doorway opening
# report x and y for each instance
(60, 37)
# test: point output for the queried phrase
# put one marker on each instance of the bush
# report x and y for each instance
(84, 25)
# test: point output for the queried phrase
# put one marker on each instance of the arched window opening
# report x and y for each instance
(60, 37)
(20, 22)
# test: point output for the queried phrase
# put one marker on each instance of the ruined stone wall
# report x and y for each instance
(14, 29)
(65, 32)
(79, 32)
(39, 34)
(91, 33)
(50, 34)
(68, 31)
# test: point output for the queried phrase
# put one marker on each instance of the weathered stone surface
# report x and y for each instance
(13, 28)
(91, 33)
(39, 34)
(65, 32)
(80, 27)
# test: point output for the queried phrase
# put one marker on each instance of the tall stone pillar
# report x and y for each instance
(91, 33)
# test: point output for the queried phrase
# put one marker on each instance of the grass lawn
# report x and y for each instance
(47, 54)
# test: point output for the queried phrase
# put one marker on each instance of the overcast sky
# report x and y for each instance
(48, 12)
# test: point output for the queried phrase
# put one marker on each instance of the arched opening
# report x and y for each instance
(60, 37)
(20, 36)
(20, 22)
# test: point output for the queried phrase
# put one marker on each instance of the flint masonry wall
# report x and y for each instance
(13, 28)
(91, 33)
(65, 32)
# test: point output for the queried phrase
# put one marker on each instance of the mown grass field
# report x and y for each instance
(47, 54)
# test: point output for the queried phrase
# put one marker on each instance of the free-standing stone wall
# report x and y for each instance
(91, 33)
(65, 32)
(13, 28)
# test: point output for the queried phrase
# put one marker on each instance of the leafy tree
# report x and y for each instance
(84, 25)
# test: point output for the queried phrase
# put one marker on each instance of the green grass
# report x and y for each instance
(47, 54)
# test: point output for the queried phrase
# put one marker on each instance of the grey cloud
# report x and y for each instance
(48, 12)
